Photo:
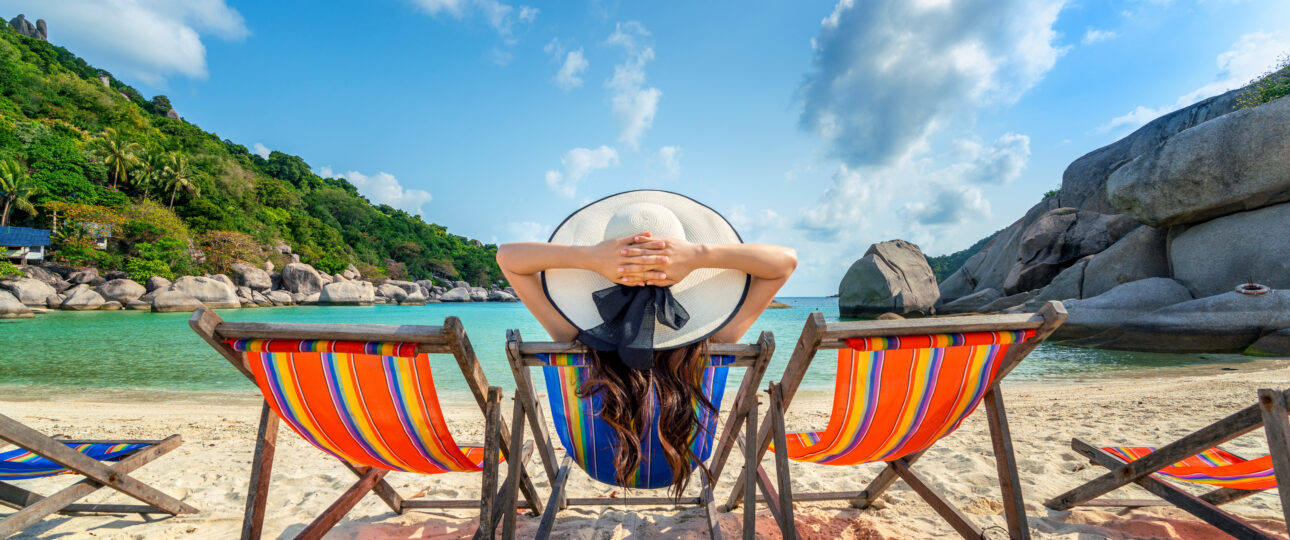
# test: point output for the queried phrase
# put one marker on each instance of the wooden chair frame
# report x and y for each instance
(1270, 413)
(32, 507)
(819, 335)
(447, 339)
(523, 355)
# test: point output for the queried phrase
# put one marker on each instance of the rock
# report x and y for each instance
(24, 27)
(351, 272)
(29, 291)
(1216, 256)
(390, 291)
(251, 277)
(268, 267)
(324, 278)
(456, 284)
(457, 294)
(280, 298)
(301, 278)
(970, 303)
(349, 293)
(1006, 302)
(478, 294)
(501, 296)
(1117, 306)
(138, 305)
(223, 279)
(1139, 255)
(1084, 183)
(338, 277)
(172, 114)
(151, 295)
(41, 274)
(97, 281)
(62, 286)
(121, 291)
(889, 317)
(115, 274)
(308, 299)
(82, 300)
(110, 305)
(892, 276)
(83, 276)
(277, 280)
(156, 282)
(61, 270)
(1231, 164)
(414, 299)
(54, 300)
(11, 308)
(243, 293)
(1228, 322)
(1274, 343)
(510, 291)
(1055, 241)
(426, 285)
(407, 286)
(988, 268)
(283, 248)
(172, 300)
(212, 292)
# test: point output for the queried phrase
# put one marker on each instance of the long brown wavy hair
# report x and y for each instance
(626, 395)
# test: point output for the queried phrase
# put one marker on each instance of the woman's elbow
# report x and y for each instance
(504, 256)
(789, 263)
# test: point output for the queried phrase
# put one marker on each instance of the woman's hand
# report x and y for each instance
(669, 260)
(622, 261)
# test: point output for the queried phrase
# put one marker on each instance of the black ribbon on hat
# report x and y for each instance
(629, 314)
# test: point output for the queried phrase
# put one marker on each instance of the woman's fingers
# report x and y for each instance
(644, 260)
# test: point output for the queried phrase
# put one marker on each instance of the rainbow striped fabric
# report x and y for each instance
(591, 443)
(367, 403)
(897, 395)
(1213, 467)
(21, 464)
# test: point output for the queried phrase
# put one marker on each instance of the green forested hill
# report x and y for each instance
(106, 155)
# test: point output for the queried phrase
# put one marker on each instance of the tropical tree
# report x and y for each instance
(149, 170)
(118, 154)
(16, 189)
(175, 177)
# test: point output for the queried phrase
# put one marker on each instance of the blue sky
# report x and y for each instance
(822, 125)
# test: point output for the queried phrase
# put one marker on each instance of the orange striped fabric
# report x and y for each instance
(378, 410)
(1213, 467)
(897, 395)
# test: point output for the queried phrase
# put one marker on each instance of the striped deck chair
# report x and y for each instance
(901, 386)
(589, 442)
(1196, 459)
(101, 463)
(365, 395)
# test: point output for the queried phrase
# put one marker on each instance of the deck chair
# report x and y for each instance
(365, 395)
(901, 387)
(588, 441)
(101, 463)
(1196, 459)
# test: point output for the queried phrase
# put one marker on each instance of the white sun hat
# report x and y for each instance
(710, 297)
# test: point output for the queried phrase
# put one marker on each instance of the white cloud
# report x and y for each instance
(669, 158)
(950, 204)
(569, 75)
(578, 163)
(1093, 35)
(1000, 163)
(1251, 56)
(145, 39)
(634, 104)
(263, 151)
(527, 231)
(384, 188)
(752, 225)
(502, 17)
(886, 73)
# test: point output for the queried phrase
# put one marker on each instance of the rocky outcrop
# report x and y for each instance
(23, 26)
(391, 292)
(892, 276)
(138, 305)
(1141, 254)
(280, 298)
(41, 274)
(348, 293)
(155, 283)
(1216, 256)
(351, 272)
(456, 294)
(212, 292)
(121, 290)
(1229, 322)
(175, 300)
(31, 292)
(245, 275)
(1115, 307)
(82, 299)
(86, 276)
(970, 303)
(11, 308)
(300, 278)
(1235, 163)
(989, 268)
(478, 294)
(501, 296)
(1274, 343)
(1056, 240)
(1067, 285)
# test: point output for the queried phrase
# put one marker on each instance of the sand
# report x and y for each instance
(211, 469)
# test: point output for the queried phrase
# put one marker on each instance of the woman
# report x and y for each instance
(646, 279)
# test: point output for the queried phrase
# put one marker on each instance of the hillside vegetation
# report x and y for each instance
(76, 155)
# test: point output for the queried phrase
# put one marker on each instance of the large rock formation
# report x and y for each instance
(1139, 255)
(457, 294)
(175, 300)
(893, 277)
(11, 308)
(31, 292)
(121, 290)
(212, 292)
(23, 26)
(1229, 322)
(1234, 163)
(245, 275)
(1216, 256)
(1056, 240)
(82, 299)
(348, 293)
(300, 278)
(1118, 306)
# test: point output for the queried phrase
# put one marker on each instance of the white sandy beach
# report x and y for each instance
(211, 469)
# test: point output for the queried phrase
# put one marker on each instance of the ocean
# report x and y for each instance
(98, 352)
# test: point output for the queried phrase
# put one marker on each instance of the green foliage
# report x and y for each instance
(84, 143)
(16, 190)
(1052, 192)
(1272, 85)
(142, 269)
(944, 265)
(9, 270)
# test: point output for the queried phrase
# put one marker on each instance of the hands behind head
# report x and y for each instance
(643, 260)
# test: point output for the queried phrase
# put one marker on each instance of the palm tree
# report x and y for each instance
(151, 168)
(16, 188)
(175, 177)
(118, 154)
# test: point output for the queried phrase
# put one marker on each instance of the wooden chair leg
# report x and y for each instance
(1014, 506)
(334, 513)
(947, 511)
(709, 508)
(880, 483)
(515, 467)
(556, 501)
(750, 494)
(1276, 425)
(492, 441)
(787, 527)
(266, 442)
(382, 489)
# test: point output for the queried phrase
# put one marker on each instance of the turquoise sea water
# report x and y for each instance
(68, 352)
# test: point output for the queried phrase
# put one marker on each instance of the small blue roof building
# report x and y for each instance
(23, 243)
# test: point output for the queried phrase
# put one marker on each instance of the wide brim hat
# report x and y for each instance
(710, 296)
